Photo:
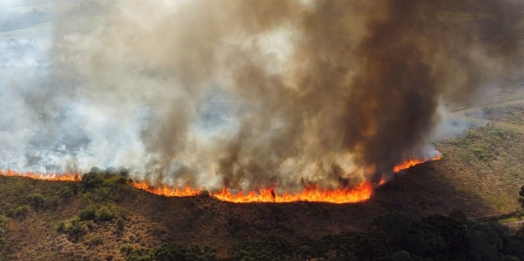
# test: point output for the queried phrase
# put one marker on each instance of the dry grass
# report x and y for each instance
(479, 175)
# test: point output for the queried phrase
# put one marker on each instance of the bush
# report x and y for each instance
(66, 193)
(75, 229)
(120, 224)
(3, 221)
(105, 214)
(270, 248)
(60, 227)
(92, 179)
(54, 202)
(95, 240)
(141, 254)
(88, 213)
(126, 249)
(171, 251)
(36, 200)
(21, 211)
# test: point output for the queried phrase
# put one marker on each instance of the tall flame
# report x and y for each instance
(311, 193)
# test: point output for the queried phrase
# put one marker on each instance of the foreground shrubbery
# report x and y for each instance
(397, 237)
(170, 251)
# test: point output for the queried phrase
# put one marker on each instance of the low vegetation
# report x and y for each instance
(437, 214)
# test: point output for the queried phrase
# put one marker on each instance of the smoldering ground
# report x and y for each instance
(250, 93)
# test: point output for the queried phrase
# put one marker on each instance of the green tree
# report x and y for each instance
(485, 243)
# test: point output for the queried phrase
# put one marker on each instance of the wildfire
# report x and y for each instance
(412, 162)
(311, 193)
(44, 176)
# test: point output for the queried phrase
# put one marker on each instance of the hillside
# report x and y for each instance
(104, 218)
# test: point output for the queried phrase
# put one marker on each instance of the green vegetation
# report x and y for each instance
(397, 237)
(486, 162)
(3, 230)
(170, 251)
(104, 218)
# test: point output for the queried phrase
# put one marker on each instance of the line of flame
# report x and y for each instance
(43, 176)
(311, 193)
(412, 162)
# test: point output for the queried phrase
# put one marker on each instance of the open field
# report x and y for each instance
(510, 114)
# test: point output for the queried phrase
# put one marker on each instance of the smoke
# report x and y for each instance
(248, 93)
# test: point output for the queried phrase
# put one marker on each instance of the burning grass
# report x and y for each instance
(311, 193)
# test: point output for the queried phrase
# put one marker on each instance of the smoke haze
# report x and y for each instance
(247, 93)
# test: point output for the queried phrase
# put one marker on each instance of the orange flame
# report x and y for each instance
(311, 193)
(46, 176)
(167, 191)
(412, 162)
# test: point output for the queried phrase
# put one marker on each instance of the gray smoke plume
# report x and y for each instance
(245, 93)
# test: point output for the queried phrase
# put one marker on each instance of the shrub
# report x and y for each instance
(66, 193)
(92, 179)
(36, 200)
(75, 229)
(171, 251)
(21, 211)
(95, 240)
(105, 214)
(4, 220)
(60, 227)
(54, 202)
(126, 249)
(141, 254)
(88, 213)
(270, 248)
(120, 224)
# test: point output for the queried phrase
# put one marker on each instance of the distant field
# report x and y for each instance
(511, 114)
(52, 7)
(38, 31)
(486, 162)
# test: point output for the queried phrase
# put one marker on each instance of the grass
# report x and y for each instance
(509, 220)
(474, 177)
(490, 165)
(509, 114)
